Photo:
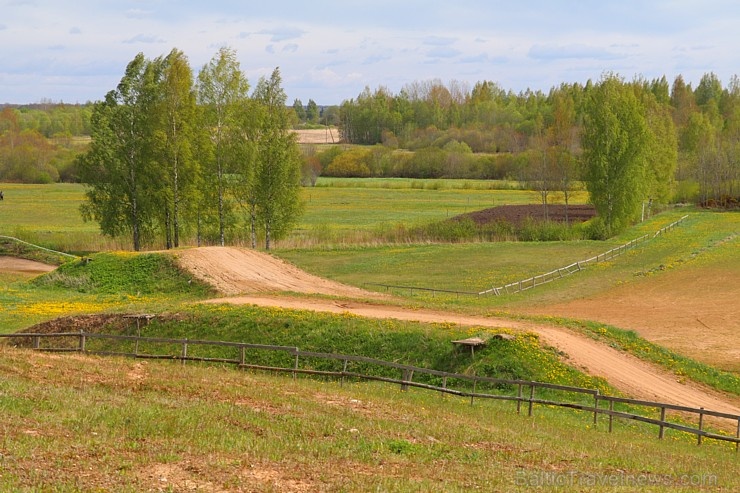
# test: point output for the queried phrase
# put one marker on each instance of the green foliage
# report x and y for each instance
(615, 151)
(277, 174)
(110, 273)
(350, 164)
(222, 91)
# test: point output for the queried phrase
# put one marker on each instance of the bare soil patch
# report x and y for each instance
(518, 214)
(237, 270)
(693, 311)
(15, 265)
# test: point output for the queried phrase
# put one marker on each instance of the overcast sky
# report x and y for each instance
(328, 51)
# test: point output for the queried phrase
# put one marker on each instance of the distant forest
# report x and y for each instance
(435, 130)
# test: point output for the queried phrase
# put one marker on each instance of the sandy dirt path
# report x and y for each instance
(22, 266)
(254, 275)
(630, 375)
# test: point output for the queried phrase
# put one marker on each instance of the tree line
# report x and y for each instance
(175, 154)
(654, 141)
(38, 143)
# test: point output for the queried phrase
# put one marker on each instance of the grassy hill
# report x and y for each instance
(72, 423)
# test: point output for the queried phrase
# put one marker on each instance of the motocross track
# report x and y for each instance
(14, 265)
(253, 275)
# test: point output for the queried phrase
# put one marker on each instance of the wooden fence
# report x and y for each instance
(539, 280)
(522, 392)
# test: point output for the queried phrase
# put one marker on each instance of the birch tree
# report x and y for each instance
(115, 166)
(222, 97)
(278, 168)
(615, 148)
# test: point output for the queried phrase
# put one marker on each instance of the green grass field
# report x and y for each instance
(74, 423)
(108, 424)
(336, 212)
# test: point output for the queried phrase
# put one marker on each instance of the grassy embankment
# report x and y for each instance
(129, 424)
(72, 423)
(460, 266)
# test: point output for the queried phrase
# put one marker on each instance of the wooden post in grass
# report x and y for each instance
(344, 370)
(295, 367)
(473, 393)
(82, 341)
(701, 426)
(184, 350)
(596, 407)
(519, 400)
(242, 355)
(611, 416)
(36, 340)
(404, 379)
(662, 420)
(531, 398)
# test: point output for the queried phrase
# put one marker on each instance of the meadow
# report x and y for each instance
(132, 425)
(72, 423)
(337, 211)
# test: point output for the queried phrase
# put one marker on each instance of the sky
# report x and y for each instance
(329, 51)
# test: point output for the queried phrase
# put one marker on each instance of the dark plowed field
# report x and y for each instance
(516, 214)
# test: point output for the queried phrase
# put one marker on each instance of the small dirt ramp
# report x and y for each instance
(234, 271)
(15, 265)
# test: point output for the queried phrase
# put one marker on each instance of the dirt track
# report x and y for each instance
(23, 266)
(243, 271)
(235, 270)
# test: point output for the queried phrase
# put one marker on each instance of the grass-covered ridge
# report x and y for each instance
(73, 423)
(411, 343)
(119, 272)
(106, 282)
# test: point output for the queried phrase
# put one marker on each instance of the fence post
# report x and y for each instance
(242, 355)
(408, 375)
(596, 406)
(184, 351)
(611, 416)
(444, 386)
(701, 426)
(662, 420)
(473, 393)
(36, 340)
(82, 341)
(519, 400)
(295, 366)
(531, 397)
(344, 370)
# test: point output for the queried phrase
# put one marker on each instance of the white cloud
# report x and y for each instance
(144, 38)
(283, 33)
(554, 52)
(344, 47)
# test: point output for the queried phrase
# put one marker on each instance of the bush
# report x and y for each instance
(350, 164)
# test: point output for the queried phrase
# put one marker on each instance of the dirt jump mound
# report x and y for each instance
(237, 271)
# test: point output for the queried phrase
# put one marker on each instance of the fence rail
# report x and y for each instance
(37, 246)
(539, 280)
(473, 387)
